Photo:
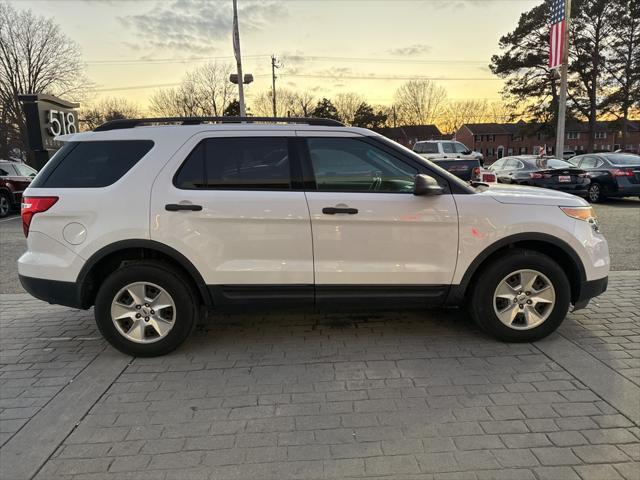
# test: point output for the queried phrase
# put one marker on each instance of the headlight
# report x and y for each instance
(586, 214)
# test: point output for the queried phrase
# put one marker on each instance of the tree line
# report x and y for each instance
(603, 68)
(604, 80)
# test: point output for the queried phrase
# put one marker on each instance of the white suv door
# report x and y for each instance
(369, 229)
(227, 204)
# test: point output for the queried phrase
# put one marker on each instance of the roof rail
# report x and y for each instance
(131, 123)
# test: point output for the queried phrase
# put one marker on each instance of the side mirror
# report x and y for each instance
(426, 185)
(467, 152)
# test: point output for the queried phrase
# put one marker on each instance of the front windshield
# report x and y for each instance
(624, 159)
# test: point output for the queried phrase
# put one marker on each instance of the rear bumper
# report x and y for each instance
(588, 290)
(52, 291)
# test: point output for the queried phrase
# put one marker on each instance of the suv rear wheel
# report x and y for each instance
(145, 309)
(522, 297)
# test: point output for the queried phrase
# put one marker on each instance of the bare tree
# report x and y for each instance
(305, 102)
(110, 108)
(419, 102)
(502, 112)
(347, 105)
(459, 112)
(205, 91)
(35, 57)
(288, 103)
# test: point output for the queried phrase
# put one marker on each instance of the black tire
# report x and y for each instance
(482, 295)
(5, 204)
(162, 275)
(595, 193)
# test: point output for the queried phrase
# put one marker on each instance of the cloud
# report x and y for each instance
(194, 25)
(410, 51)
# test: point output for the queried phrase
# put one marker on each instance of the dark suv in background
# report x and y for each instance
(15, 177)
(611, 174)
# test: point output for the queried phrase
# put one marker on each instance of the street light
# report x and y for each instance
(248, 78)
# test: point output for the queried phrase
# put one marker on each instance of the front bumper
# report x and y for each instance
(52, 291)
(588, 290)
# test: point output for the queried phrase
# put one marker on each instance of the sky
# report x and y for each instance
(326, 46)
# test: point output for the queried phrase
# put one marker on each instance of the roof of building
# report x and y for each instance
(421, 132)
(493, 128)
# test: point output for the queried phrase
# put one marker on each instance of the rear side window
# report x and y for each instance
(237, 163)
(7, 170)
(91, 164)
(430, 148)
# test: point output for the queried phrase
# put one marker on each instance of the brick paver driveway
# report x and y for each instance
(291, 396)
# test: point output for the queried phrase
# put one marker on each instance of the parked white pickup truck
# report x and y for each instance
(446, 149)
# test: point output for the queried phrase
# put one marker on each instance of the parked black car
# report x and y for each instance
(541, 172)
(611, 174)
(15, 177)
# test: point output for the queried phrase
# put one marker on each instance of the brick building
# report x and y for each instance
(496, 140)
(409, 134)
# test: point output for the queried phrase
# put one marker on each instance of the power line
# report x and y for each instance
(322, 76)
(293, 58)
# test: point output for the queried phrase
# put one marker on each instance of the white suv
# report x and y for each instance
(152, 220)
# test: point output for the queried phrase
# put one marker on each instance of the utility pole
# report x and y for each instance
(562, 107)
(274, 65)
(236, 51)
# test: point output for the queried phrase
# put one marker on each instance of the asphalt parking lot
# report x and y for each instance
(421, 395)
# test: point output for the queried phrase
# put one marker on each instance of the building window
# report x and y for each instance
(509, 151)
(522, 151)
(601, 135)
(573, 135)
(490, 152)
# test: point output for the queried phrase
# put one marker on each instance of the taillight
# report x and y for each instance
(488, 177)
(33, 205)
(476, 173)
(619, 172)
(539, 175)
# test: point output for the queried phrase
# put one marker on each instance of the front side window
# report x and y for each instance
(237, 163)
(447, 147)
(352, 165)
(460, 148)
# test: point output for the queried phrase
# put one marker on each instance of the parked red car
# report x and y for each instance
(15, 177)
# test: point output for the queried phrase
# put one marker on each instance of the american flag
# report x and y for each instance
(557, 33)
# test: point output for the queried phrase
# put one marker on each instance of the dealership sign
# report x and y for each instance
(47, 117)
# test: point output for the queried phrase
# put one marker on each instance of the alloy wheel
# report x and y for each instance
(143, 312)
(524, 299)
(594, 192)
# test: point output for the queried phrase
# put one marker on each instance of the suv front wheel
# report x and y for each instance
(145, 309)
(521, 297)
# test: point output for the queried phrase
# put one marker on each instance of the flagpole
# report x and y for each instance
(236, 47)
(562, 106)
